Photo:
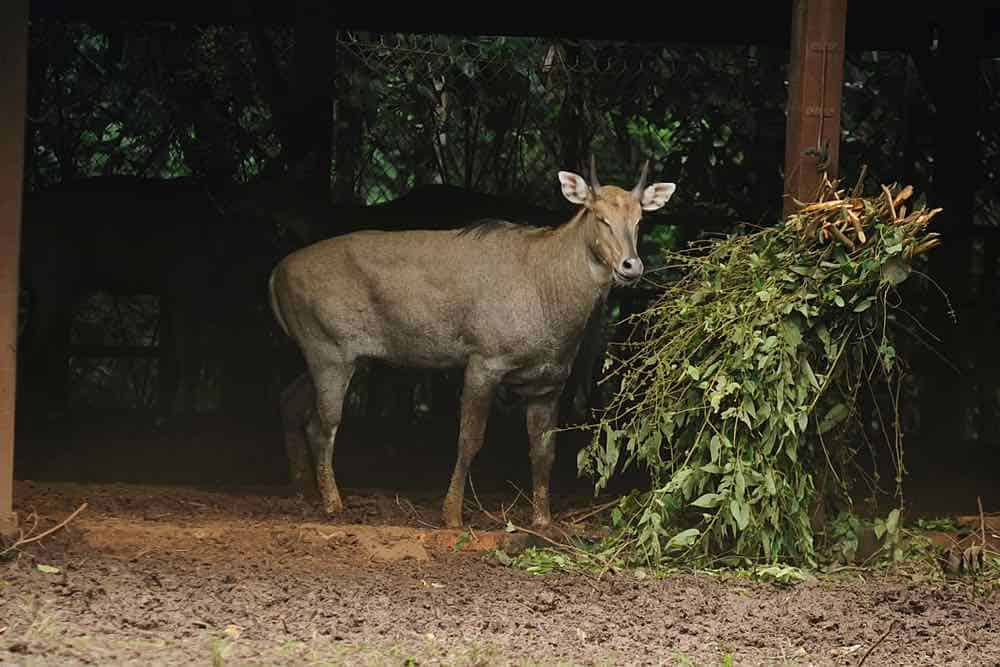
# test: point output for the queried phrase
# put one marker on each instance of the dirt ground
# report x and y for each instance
(192, 551)
(171, 575)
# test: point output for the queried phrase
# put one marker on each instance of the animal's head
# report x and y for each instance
(613, 216)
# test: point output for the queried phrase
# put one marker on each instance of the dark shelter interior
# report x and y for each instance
(175, 153)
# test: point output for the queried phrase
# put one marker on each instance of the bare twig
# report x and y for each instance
(842, 238)
(889, 201)
(576, 516)
(504, 522)
(982, 521)
(878, 641)
(541, 536)
(415, 513)
(611, 560)
(479, 505)
(28, 540)
(32, 518)
(520, 494)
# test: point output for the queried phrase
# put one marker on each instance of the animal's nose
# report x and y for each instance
(631, 267)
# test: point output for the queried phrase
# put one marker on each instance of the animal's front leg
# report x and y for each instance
(477, 395)
(542, 417)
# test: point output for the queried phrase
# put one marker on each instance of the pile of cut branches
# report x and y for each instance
(739, 384)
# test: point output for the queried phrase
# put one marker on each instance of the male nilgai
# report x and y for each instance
(507, 302)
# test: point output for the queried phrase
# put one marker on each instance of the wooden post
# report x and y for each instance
(815, 83)
(13, 94)
(311, 132)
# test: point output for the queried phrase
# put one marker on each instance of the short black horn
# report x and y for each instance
(637, 191)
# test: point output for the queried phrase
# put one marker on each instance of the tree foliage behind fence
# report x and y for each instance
(499, 115)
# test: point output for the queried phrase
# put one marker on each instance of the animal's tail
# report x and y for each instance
(275, 306)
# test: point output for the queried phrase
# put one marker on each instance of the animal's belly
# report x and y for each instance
(537, 379)
(415, 349)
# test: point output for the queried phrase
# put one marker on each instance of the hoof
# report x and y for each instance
(332, 504)
(541, 524)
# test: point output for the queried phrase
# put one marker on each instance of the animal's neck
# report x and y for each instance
(572, 280)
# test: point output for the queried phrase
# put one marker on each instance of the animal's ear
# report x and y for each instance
(574, 188)
(656, 195)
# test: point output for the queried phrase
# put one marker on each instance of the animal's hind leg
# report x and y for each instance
(298, 402)
(331, 382)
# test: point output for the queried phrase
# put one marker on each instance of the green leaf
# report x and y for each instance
(791, 449)
(834, 416)
(792, 333)
(740, 512)
(700, 295)
(679, 480)
(683, 539)
(503, 558)
(715, 447)
(839, 300)
(653, 442)
(864, 304)
(583, 460)
(769, 483)
(790, 423)
(896, 270)
(824, 337)
(887, 354)
(803, 421)
(740, 484)
(808, 372)
(48, 569)
(785, 574)
(892, 522)
(770, 441)
(462, 540)
(708, 501)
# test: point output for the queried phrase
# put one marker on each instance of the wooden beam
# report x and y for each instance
(704, 24)
(815, 85)
(13, 96)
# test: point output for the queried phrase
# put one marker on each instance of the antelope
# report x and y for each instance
(508, 303)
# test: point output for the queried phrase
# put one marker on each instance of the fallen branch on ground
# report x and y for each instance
(24, 540)
(878, 641)
(576, 516)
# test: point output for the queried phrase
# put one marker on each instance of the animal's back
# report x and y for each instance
(423, 297)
